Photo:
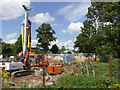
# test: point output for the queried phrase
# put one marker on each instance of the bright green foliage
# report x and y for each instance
(82, 81)
(102, 38)
(4, 75)
(45, 36)
(54, 49)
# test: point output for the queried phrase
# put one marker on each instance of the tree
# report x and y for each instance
(54, 49)
(17, 46)
(62, 49)
(11, 49)
(101, 33)
(45, 37)
(69, 52)
(0, 46)
(6, 49)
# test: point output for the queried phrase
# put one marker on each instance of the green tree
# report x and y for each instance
(6, 48)
(54, 49)
(45, 36)
(101, 33)
(11, 49)
(0, 46)
(17, 46)
(62, 49)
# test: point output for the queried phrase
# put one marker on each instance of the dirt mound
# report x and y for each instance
(71, 69)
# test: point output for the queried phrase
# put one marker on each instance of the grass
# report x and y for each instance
(101, 80)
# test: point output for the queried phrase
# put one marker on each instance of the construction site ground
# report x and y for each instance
(33, 80)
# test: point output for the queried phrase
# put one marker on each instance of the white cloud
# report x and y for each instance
(74, 28)
(56, 24)
(33, 43)
(11, 9)
(68, 44)
(10, 36)
(74, 12)
(65, 9)
(42, 18)
(12, 41)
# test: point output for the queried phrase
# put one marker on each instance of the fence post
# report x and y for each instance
(110, 64)
(43, 70)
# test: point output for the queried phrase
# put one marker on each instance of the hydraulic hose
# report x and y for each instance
(92, 69)
(86, 67)
(82, 72)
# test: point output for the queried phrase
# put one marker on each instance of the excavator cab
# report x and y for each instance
(39, 61)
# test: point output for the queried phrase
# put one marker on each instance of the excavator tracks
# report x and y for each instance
(20, 73)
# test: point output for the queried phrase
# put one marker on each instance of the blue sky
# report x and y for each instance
(66, 18)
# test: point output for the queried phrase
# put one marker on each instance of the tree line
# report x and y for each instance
(11, 49)
(101, 31)
(45, 37)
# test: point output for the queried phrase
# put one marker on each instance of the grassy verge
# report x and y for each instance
(101, 80)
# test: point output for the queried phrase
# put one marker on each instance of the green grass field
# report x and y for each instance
(101, 80)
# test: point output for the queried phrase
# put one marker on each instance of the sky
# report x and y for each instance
(66, 18)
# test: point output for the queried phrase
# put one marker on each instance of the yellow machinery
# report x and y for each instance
(28, 36)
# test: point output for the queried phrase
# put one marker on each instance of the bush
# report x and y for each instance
(81, 81)
(5, 75)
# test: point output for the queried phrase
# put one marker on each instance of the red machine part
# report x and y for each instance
(26, 58)
(2, 68)
(24, 63)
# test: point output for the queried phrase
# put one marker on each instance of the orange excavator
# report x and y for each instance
(39, 61)
(35, 59)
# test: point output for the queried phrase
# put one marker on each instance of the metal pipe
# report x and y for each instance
(25, 32)
(92, 70)
(82, 72)
(22, 29)
(86, 68)
(30, 38)
(26, 25)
